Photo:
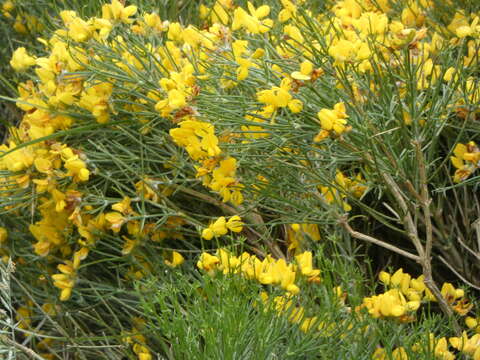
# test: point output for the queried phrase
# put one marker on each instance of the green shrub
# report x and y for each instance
(243, 138)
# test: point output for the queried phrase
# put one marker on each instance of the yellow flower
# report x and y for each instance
(65, 281)
(7, 6)
(384, 277)
(343, 50)
(207, 262)
(123, 206)
(3, 235)
(78, 29)
(440, 348)
(224, 181)
(472, 323)
(277, 96)
(176, 99)
(235, 224)
(308, 323)
(467, 30)
(466, 159)
(153, 20)
(217, 228)
(117, 11)
(412, 15)
(289, 10)
(77, 169)
(391, 304)
(306, 68)
(59, 199)
(397, 277)
(397, 354)
(305, 263)
(176, 260)
(129, 245)
(116, 220)
(294, 35)
(21, 60)
(295, 106)
(332, 120)
(197, 137)
(252, 22)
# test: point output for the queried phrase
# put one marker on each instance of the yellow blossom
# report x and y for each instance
(21, 60)
(306, 68)
(117, 11)
(116, 220)
(3, 235)
(207, 262)
(235, 224)
(176, 260)
(217, 228)
(252, 22)
(304, 260)
(466, 159)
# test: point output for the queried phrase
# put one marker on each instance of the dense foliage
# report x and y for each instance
(228, 179)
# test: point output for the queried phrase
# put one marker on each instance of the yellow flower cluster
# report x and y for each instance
(296, 314)
(221, 226)
(199, 139)
(63, 216)
(4, 253)
(405, 294)
(245, 58)
(56, 169)
(280, 97)
(267, 271)
(137, 340)
(298, 233)
(65, 281)
(277, 97)
(391, 304)
(284, 305)
(23, 23)
(343, 186)
(123, 214)
(252, 21)
(333, 122)
(3, 240)
(469, 346)
(52, 230)
(437, 347)
(466, 160)
(360, 38)
(456, 299)
(43, 165)
(177, 259)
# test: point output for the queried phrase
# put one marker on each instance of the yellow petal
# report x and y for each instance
(297, 75)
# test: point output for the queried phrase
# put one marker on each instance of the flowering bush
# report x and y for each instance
(255, 141)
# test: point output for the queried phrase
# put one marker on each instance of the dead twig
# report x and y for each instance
(370, 239)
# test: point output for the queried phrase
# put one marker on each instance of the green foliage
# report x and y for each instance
(321, 131)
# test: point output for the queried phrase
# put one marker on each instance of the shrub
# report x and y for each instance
(272, 129)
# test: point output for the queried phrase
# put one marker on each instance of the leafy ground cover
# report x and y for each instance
(229, 179)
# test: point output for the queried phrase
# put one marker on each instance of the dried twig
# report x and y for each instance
(426, 260)
(370, 239)
(32, 354)
(458, 274)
